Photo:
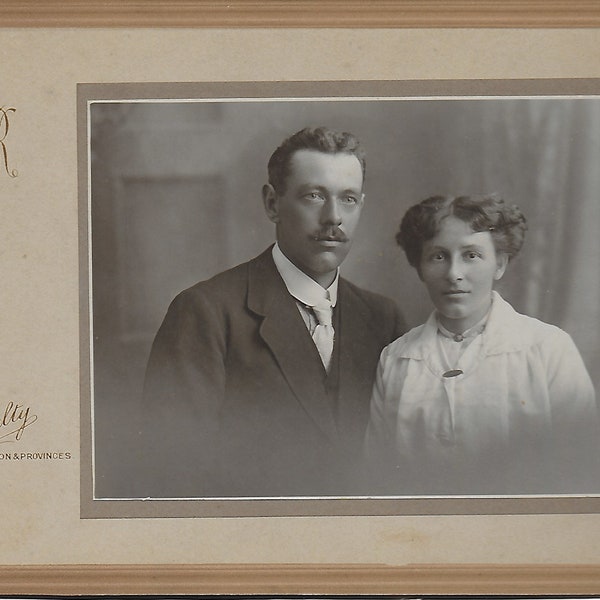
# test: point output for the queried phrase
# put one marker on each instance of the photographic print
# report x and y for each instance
(206, 382)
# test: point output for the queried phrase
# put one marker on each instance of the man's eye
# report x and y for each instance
(350, 200)
(314, 196)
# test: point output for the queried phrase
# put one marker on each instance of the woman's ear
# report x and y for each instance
(502, 262)
(270, 202)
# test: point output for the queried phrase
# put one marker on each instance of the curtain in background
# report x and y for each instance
(557, 141)
(579, 310)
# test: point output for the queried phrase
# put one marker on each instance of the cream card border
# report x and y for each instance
(46, 547)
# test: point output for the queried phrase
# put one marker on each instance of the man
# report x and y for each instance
(259, 379)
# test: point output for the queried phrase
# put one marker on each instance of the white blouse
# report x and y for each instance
(515, 415)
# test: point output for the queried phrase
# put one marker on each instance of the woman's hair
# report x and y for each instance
(506, 223)
(322, 139)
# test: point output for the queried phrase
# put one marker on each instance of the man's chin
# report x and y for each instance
(322, 269)
(328, 261)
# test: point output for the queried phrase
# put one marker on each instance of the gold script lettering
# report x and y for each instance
(4, 124)
(15, 418)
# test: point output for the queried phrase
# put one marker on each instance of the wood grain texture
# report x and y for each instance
(300, 13)
(301, 579)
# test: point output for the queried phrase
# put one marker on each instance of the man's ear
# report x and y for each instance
(270, 202)
(502, 262)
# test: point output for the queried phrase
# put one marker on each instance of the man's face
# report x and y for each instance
(317, 215)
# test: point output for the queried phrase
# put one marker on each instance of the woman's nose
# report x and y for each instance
(455, 270)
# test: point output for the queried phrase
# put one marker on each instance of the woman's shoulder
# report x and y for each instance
(408, 345)
(523, 330)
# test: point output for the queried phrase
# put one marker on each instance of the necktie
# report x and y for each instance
(323, 334)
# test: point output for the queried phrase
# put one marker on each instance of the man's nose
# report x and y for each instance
(331, 214)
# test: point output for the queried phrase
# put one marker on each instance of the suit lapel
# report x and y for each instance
(358, 355)
(283, 330)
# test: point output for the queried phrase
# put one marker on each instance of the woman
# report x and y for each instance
(480, 399)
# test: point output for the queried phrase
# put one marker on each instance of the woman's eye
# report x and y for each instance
(472, 255)
(438, 256)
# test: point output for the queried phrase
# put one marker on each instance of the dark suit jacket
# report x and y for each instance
(236, 400)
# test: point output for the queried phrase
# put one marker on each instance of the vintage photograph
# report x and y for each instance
(342, 296)
(300, 301)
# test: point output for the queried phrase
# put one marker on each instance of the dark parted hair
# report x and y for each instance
(321, 139)
(421, 222)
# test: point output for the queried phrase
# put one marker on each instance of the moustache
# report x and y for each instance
(331, 235)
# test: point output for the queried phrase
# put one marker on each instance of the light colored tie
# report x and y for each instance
(324, 333)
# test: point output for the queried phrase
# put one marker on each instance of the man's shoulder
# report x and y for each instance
(229, 277)
(381, 312)
(228, 284)
(372, 299)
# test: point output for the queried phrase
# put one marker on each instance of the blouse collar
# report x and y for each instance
(502, 333)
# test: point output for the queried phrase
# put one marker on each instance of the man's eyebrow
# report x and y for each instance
(323, 188)
(311, 186)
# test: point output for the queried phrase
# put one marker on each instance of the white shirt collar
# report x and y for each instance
(503, 332)
(300, 285)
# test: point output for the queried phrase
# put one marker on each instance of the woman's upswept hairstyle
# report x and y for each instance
(506, 223)
(321, 139)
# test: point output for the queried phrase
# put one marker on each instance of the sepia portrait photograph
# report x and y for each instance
(357, 294)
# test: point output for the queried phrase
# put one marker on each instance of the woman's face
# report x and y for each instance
(459, 267)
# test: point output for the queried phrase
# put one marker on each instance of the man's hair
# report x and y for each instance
(321, 139)
(506, 223)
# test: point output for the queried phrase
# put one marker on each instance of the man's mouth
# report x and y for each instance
(338, 237)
